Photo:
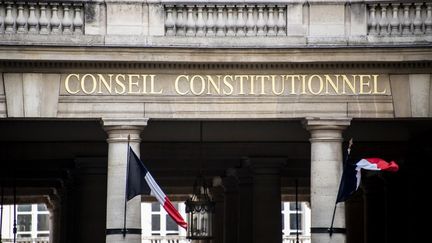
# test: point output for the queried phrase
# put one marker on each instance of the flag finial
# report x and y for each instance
(349, 145)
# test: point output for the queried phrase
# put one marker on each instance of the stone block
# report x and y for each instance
(32, 89)
(327, 20)
(370, 110)
(420, 94)
(50, 96)
(97, 108)
(40, 94)
(400, 88)
(13, 84)
(125, 18)
(295, 20)
(156, 20)
(95, 18)
(358, 19)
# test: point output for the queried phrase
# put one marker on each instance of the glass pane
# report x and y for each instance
(155, 207)
(293, 206)
(170, 224)
(24, 208)
(42, 235)
(293, 224)
(24, 222)
(23, 236)
(42, 208)
(283, 206)
(43, 222)
(155, 222)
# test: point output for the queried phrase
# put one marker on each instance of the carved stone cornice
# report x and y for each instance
(68, 66)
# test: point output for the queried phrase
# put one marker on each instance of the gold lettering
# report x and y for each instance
(375, 84)
(120, 83)
(307, 84)
(152, 85)
(335, 86)
(241, 80)
(103, 81)
(274, 85)
(192, 85)
(364, 83)
(310, 87)
(293, 77)
(263, 78)
(346, 81)
(177, 86)
(133, 83)
(215, 86)
(303, 84)
(252, 84)
(83, 83)
(144, 83)
(67, 87)
(228, 84)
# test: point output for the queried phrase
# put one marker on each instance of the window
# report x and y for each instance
(32, 221)
(156, 221)
(162, 224)
(295, 218)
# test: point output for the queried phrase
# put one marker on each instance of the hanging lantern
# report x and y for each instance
(200, 210)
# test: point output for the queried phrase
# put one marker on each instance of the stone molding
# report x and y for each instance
(119, 129)
(326, 129)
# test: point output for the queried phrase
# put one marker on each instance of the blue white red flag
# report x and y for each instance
(351, 176)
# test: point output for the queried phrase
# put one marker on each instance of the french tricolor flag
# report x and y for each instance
(351, 176)
(140, 181)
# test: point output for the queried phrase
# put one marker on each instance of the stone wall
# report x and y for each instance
(228, 23)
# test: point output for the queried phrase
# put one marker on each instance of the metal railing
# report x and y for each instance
(164, 239)
(293, 239)
(28, 240)
(182, 239)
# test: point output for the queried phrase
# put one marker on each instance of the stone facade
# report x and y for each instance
(126, 62)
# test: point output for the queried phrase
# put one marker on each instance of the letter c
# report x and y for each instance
(176, 84)
(67, 83)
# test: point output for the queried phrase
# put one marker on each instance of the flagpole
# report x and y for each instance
(334, 209)
(14, 206)
(125, 199)
(1, 212)
(297, 216)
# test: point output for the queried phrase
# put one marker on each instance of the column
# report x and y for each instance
(53, 208)
(217, 195)
(326, 170)
(267, 216)
(245, 193)
(231, 208)
(118, 131)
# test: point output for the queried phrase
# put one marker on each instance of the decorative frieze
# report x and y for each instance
(44, 17)
(400, 18)
(225, 20)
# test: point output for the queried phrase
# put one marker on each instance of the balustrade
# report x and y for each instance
(225, 20)
(44, 17)
(401, 21)
(399, 18)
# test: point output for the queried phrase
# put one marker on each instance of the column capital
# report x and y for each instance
(313, 123)
(326, 129)
(118, 129)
